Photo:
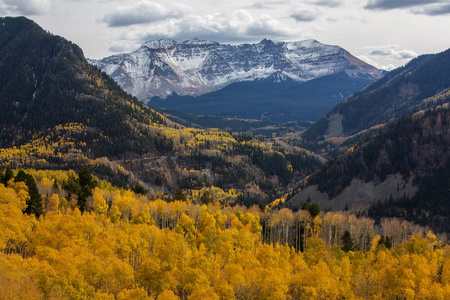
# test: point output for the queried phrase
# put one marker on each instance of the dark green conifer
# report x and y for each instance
(34, 205)
(7, 176)
(348, 244)
(179, 195)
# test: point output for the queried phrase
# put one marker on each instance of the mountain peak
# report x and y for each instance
(160, 44)
(267, 42)
(195, 67)
(11, 26)
(197, 41)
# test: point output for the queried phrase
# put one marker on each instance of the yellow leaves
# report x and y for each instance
(252, 223)
(203, 292)
(445, 277)
(234, 274)
(114, 214)
(53, 203)
(100, 206)
(375, 241)
(317, 225)
(143, 217)
(135, 294)
(13, 224)
(351, 149)
(206, 221)
(167, 295)
(198, 252)
(317, 283)
(15, 196)
(47, 183)
(16, 281)
(186, 226)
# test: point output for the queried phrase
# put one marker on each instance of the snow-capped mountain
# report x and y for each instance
(195, 67)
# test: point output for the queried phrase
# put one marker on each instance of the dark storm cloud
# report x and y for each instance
(433, 10)
(304, 16)
(393, 4)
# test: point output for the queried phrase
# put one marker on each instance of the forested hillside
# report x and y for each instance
(46, 84)
(415, 147)
(422, 83)
(127, 246)
(274, 99)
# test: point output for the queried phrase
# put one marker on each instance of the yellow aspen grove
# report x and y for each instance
(127, 246)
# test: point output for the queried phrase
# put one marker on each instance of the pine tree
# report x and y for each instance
(7, 176)
(86, 183)
(21, 176)
(34, 205)
(348, 243)
(139, 189)
(179, 195)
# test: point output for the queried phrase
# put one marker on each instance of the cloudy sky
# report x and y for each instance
(385, 33)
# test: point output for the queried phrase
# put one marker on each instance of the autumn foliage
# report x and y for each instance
(126, 246)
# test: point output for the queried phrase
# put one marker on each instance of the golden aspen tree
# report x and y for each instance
(53, 203)
(167, 295)
(135, 294)
(99, 202)
(114, 214)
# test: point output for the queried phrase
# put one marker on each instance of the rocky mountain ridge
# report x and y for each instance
(164, 67)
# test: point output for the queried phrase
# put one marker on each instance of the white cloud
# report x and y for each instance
(235, 27)
(372, 62)
(267, 4)
(390, 55)
(391, 51)
(26, 7)
(143, 12)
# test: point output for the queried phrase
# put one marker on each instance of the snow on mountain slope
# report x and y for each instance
(195, 67)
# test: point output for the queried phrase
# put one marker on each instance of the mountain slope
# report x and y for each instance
(160, 68)
(46, 83)
(408, 163)
(400, 92)
(271, 98)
